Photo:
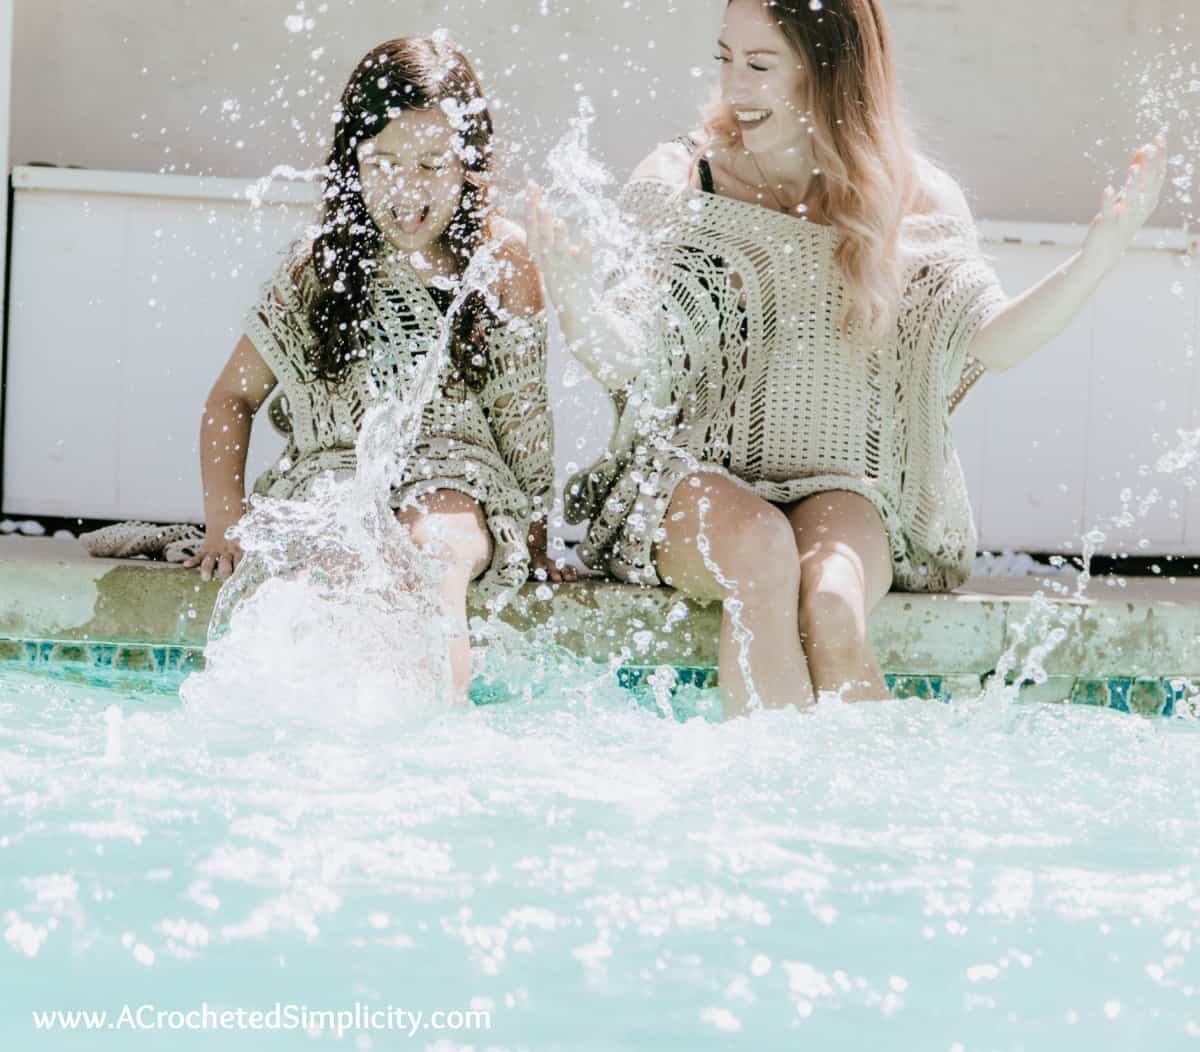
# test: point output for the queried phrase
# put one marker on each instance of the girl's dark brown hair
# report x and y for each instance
(409, 73)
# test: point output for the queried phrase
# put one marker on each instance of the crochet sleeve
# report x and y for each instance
(951, 292)
(278, 323)
(516, 401)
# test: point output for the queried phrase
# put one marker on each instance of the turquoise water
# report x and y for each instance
(977, 875)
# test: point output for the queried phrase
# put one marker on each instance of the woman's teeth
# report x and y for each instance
(749, 118)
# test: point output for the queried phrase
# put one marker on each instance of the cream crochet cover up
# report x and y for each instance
(740, 324)
(495, 444)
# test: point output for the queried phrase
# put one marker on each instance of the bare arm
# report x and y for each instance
(238, 394)
(596, 338)
(1030, 321)
(573, 286)
(516, 397)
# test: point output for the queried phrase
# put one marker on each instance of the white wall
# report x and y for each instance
(128, 292)
(6, 49)
(1012, 96)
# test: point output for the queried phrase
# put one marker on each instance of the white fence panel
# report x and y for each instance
(128, 292)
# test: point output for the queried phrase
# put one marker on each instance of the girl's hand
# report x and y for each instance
(566, 265)
(1123, 214)
(543, 568)
(218, 557)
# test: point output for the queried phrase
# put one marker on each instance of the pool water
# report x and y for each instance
(974, 875)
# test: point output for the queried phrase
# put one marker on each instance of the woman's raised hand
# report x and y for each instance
(1123, 213)
(565, 263)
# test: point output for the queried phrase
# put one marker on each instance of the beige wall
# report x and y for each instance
(1011, 96)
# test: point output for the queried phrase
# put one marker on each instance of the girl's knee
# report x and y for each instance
(452, 527)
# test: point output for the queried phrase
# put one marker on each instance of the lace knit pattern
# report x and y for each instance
(495, 445)
(759, 384)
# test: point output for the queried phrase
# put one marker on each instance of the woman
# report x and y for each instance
(349, 318)
(820, 306)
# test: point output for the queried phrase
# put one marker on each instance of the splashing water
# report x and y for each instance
(1167, 88)
(911, 876)
(257, 191)
(333, 614)
(581, 190)
(595, 876)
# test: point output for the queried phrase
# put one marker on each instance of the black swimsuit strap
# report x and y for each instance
(702, 166)
(441, 297)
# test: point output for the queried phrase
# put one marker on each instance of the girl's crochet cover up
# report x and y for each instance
(495, 444)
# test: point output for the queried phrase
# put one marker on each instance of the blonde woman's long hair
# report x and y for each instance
(863, 150)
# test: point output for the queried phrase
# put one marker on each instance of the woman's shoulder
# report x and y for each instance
(938, 193)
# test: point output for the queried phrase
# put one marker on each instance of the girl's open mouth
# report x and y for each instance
(411, 222)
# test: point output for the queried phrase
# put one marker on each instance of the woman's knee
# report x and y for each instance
(723, 540)
(753, 555)
(762, 553)
(833, 605)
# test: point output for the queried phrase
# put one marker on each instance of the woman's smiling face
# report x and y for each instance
(412, 178)
(762, 81)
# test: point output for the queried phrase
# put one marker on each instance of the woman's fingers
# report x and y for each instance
(1132, 180)
(533, 239)
(1148, 174)
(1108, 207)
(582, 255)
(1158, 168)
(546, 228)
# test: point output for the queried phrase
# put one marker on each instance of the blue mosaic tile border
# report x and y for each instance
(100, 657)
(635, 678)
(1142, 696)
(1145, 697)
(1139, 695)
(931, 688)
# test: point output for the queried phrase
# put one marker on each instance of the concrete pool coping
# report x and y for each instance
(51, 590)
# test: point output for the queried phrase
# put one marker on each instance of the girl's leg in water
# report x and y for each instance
(753, 548)
(453, 528)
(845, 570)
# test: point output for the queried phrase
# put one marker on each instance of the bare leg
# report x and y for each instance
(754, 549)
(452, 527)
(845, 570)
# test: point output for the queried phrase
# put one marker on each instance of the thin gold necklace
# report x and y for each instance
(765, 182)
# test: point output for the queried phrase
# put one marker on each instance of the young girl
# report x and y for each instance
(818, 306)
(351, 315)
